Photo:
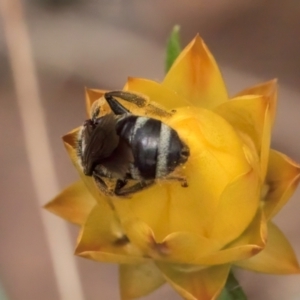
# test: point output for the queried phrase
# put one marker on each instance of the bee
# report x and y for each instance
(126, 152)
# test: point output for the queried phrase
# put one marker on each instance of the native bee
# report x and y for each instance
(125, 152)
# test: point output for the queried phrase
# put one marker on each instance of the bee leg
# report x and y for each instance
(101, 184)
(138, 100)
(182, 180)
(120, 184)
(115, 106)
(141, 102)
(141, 185)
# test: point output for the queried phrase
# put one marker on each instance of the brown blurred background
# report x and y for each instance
(98, 44)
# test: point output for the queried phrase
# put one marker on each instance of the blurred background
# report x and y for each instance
(78, 43)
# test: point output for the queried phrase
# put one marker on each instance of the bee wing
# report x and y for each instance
(119, 161)
(102, 141)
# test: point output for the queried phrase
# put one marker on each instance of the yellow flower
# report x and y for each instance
(190, 237)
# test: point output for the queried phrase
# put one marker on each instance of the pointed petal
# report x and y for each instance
(73, 204)
(70, 143)
(246, 114)
(156, 92)
(71, 138)
(180, 247)
(111, 257)
(217, 158)
(102, 238)
(137, 280)
(251, 116)
(277, 258)
(194, 283)
(281, 181)
(248, 244)
(268, 90)
(196, 77)
(92, 95)
(184, 247)
(251, 242)
(237, 207)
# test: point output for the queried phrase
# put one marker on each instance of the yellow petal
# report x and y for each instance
(237, 207)
(251, 242)
(73, 204)
(250, 115)
(196, 77)
(156, 92)
(92, 95)
(180, 247)
(248, 244)
(70, 138)
(277, 258)
(217, 157)
(255, 234)
(281, 181)
(194, 283)
(137, 280)
(247, 115)
(268, 90)
(102, 238)
(185, 247)
(111, 257)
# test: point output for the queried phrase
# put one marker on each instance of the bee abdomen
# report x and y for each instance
(156, 147)
(145, 142)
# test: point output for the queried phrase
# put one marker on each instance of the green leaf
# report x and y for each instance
(232, 290)
(173, 47)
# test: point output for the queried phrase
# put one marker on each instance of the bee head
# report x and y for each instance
(96, 141)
